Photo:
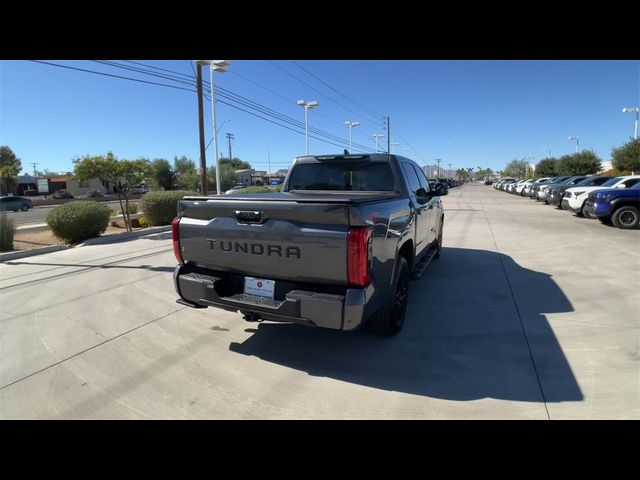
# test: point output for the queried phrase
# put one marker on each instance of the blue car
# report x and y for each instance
(620, 206)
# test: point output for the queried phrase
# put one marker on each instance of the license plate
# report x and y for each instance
(259, 287)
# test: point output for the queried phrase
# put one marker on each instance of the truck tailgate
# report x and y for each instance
(273, 239)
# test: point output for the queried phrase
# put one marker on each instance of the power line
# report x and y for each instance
(354, 102)
(247, 103)
(375, 122)
(240, 99)
(111, 75)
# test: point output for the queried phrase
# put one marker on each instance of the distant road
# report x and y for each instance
(39, 214)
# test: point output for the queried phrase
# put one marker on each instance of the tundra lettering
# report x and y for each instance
(254, 248)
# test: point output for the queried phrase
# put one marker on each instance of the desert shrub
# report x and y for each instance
(160, 208)
(132, 208)
(78, 221)
(7, 232)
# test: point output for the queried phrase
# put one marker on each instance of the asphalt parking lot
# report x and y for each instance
(530, 313)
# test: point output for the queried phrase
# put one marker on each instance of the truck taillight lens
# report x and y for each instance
(359, 256)
(175, 233)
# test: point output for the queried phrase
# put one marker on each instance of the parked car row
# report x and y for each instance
(613, 200)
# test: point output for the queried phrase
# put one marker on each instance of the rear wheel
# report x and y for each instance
(391, 320)
(626, 217)
(24, 207)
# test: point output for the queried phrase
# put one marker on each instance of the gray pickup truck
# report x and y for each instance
(335, 249)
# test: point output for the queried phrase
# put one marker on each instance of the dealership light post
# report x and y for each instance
(548, 150)
(633, 110)
(393, 144)
(218, 66)
(577, 139)
(376, 136)
(307, 106)
(351, 124)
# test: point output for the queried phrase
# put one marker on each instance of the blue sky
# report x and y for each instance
(467, 113)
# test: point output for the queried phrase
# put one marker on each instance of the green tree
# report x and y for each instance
(627, 157)
(516, 168)
(187, 177)
(10, 167)
(227, 178)
(183, 164)
(126, 175)
(582, 163)
(235, 162)
(462, 174)
(547, 167)
(161, 173)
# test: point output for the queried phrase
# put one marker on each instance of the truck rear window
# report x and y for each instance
(343, 176)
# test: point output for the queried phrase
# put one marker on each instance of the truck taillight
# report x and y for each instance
(175, 233)
(360, 240)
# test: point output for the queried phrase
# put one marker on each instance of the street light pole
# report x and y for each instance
(220, 66)
(548, 150)
(307, 106)
(577, 139)
(376, 136)
(351, 124)
(631, 110)
(393, 144)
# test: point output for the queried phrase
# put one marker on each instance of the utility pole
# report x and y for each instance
(438, 169)
(229, 138)
(388, 135)
(203, 159)
(269, 167)
(34, 168)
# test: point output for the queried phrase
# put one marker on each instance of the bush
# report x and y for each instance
(160, 208)
(78, 221)
(58, 194)
(94, 194)
(143, 222)
(132, 208)
(7, 231)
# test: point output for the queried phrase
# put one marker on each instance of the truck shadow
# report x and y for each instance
(463, 339)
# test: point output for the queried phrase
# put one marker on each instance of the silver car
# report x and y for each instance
(15, 203)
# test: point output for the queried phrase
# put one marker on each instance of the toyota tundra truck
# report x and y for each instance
(335, 248)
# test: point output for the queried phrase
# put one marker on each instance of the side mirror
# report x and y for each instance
(422, 195)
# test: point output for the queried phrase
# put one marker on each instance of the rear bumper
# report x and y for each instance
(338, 312)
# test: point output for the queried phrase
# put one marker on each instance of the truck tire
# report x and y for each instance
(626, 217)
(390, 320)
(584, 212)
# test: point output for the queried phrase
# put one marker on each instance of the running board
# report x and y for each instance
(417, 270)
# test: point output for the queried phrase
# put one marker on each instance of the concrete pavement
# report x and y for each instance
(530, 313)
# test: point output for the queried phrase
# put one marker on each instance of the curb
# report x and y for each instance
(123, 237)
(29, 253)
